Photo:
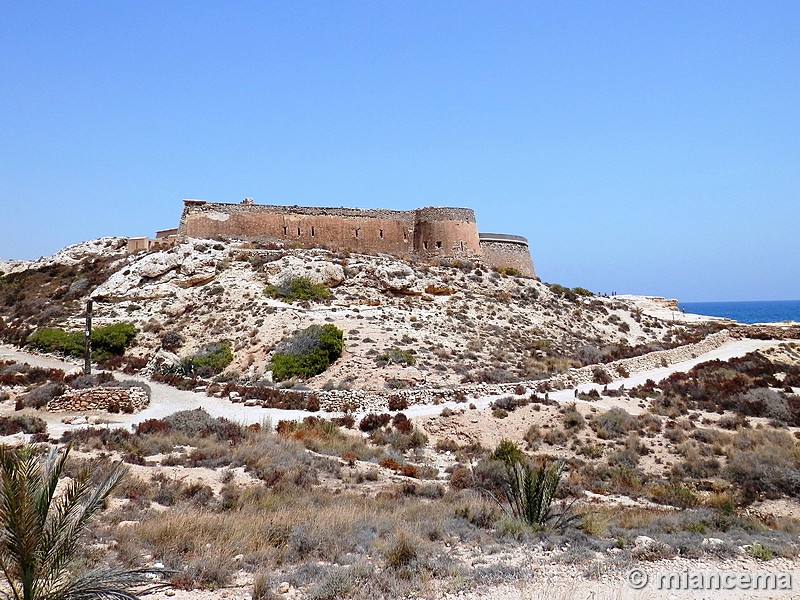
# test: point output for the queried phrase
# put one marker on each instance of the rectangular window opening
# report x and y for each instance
(438, 244)
(312, 232)
(425, 245)
(298, 232)
(285, 230)
(381, 233)
(405, 236)
(356, 233)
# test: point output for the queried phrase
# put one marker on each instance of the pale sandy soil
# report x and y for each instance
(540, 577)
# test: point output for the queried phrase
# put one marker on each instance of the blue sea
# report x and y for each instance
(748, 312)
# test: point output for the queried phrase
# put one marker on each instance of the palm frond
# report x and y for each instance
(20, 526)
(40, 533)
(111, 584)
(71, 515)
(528, 491)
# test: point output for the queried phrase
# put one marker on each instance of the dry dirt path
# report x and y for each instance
(167, 400)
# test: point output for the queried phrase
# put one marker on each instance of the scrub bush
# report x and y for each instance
(209, 361)
(298, 288)
(308, 352)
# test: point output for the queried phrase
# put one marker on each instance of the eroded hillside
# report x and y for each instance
(404, 323)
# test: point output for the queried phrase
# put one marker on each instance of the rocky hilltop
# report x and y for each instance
(449, 322)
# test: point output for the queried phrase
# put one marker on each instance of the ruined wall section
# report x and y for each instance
(446, 232)
(502, 250)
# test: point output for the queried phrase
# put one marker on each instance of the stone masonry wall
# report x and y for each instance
(427, 232)
(126, 400)
(499, 254)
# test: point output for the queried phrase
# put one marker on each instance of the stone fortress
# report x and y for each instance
(429, 233)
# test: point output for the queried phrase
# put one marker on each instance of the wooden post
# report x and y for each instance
(87, 349)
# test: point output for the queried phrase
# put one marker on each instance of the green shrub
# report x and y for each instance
(106, 341)
(560, 290)
(209, 361)
(298, 288)
(308, 352)
(507, 452)
(400, 357)
(510, 271)
(760, 552)
(674, 495)
(52, 339)
(112, 339)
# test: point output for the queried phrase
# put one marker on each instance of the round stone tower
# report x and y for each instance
(446, 232)
(501, 250)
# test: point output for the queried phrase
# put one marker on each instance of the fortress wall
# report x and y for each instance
(429, 232)
(340, 228)
(501, 250)
(446, 232)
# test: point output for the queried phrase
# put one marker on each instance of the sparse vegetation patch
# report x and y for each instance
(298, 288)
(307, 353)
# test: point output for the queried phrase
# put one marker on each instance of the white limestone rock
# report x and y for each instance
(324, 272)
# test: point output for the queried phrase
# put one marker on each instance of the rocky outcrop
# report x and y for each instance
(399, 279)
(158, 274)
(69, 256)
(289, 267)
(112, 399)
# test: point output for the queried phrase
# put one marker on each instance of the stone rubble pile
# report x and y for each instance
(113, 399)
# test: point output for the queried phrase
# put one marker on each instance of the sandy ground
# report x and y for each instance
(565, 582)
(539, 580)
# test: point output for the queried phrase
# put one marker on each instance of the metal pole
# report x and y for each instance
(87, 350)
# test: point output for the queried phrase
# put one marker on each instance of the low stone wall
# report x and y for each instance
(637, 364)
(376, 401)
(336, 400)
(786, 331)
(125, 400)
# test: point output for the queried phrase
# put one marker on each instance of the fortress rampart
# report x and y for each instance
(500, 249)
(429, 232)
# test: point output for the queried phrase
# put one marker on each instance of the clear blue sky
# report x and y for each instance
(642, 147)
